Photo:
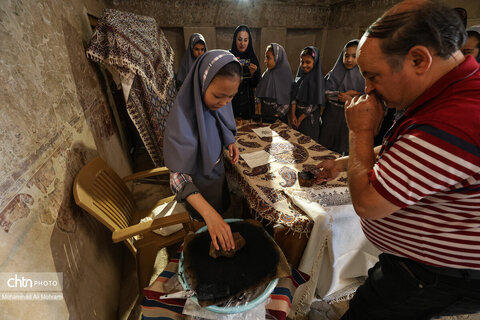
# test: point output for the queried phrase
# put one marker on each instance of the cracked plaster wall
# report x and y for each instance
(55, 118)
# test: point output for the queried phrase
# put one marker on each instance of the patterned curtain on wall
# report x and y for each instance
(138, 50)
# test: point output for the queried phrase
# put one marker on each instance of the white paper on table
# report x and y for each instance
(265, 132)
(257, 158)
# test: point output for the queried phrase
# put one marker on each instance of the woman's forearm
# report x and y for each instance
(198, 202)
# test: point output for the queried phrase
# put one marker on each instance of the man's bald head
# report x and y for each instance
(418, 22)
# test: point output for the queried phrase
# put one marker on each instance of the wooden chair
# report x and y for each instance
(102, 193)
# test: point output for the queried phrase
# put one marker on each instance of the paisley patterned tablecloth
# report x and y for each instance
(264, 186)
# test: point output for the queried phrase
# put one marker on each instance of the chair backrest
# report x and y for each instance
(103, 194)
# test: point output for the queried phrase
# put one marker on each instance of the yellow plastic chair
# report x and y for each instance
(102, 193)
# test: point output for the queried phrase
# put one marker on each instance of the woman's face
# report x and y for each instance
(221, 91)
(242, 41)
(350, 57)
(269, 60)
(198, 49)
(307, 63)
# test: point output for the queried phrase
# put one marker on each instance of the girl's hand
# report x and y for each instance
(353, 93)
(258, 108)
(294, 121)
(343, 97)
(252, 67)
(234, 152)
(219, 231)
(300, 119)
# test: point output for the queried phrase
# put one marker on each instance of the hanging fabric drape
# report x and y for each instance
(138, 50)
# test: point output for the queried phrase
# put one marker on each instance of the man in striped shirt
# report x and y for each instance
(418, 195)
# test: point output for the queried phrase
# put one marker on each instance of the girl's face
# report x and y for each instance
(350, 57)
(221, 91)
(269, 60)
(242, 41)
(198, 49)
(306, 63)
(471, 47)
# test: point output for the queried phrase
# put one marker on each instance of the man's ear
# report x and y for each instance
(420, 59)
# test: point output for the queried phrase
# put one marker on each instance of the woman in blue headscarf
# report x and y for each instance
(242, 48)
(342, 83)
(196, 47)
(308, 93)
(273, 90)
(199, 127)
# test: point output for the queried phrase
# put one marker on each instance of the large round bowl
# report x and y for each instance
(227, 310)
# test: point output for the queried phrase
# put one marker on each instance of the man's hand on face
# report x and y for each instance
(364, 113)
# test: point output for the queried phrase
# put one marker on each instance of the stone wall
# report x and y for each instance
(269, 21)
(231, 13)
(329, 25)
(55, 118)
(349, 19)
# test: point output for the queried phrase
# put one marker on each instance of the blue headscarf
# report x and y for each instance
(341, 79)
(188, 58)
(277, 83)
(196, 135)
(309, 87)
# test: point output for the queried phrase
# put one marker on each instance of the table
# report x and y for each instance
(171, 309)
(265, 187)
(319, 229)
